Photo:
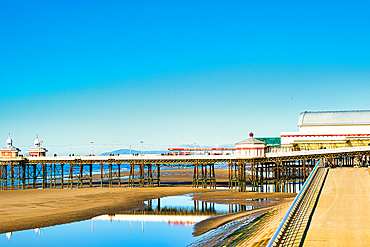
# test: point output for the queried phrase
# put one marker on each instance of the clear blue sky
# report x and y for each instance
(175, 72)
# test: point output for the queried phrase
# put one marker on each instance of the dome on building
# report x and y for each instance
(37, 142)
(9, 151)
(9, 142)
(37, 150)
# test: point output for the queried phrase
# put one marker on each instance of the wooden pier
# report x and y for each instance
(276, 172)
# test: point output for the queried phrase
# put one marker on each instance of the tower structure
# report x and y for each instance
(9, 151)
(37, 150)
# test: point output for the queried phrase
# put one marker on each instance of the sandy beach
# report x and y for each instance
(37, 208)
(28, 209)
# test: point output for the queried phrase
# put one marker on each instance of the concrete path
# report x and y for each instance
(342, 215)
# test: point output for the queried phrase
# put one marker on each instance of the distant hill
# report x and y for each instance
(127, 151)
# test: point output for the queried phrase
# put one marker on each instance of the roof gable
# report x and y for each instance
(250, 141)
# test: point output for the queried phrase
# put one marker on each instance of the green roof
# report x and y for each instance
(270, 141)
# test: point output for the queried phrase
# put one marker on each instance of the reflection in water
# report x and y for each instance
(104, 233)
(170, 219)
(185, 205)
(176, 210)
(38, 231)
(293, 186)
(165, 222)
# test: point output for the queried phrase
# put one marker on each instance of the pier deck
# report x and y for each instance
(342, 215)
(279, 169)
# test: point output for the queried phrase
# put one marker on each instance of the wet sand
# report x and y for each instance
(37, 208)
(257, 233)
(28, 209)
(271, 201)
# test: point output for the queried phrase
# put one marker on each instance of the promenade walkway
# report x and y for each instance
(342, 215)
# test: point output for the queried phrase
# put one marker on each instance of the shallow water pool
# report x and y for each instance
(167, 221)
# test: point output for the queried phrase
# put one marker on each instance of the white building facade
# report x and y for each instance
(250, 148)
(329, 129)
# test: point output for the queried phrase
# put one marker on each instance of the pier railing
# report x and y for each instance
(292, 229)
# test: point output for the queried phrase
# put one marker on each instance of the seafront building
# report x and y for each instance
(329, 129)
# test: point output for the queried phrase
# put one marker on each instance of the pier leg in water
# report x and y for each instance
(54, 175)
(241, 176)
(119, 175)
(90, 175)
(213, 176)
(159, 176)
(110, 175)
(236, 175)
(62, 176)
(230, 169)
(101, 175)
(43, 175)
(194, 174)
(150, 175)
(4, 177)
(204, 174)
(1, 177)
(34, 173)
(23, 176)
(261, 177)
(131, 176)
(141, 181)
(71, 175)
(12, 177)
(80, 177)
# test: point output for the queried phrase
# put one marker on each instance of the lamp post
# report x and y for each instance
(92, 153)
(141, 144)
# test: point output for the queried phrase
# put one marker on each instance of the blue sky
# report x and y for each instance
(175, 72)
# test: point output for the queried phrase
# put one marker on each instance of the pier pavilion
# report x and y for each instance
(9, 151)
(250, 147)
(37, 150)
(329, 129)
